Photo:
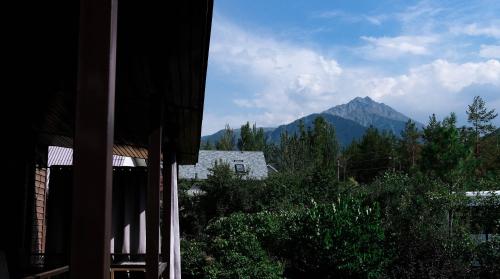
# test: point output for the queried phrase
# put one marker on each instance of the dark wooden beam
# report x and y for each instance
(153, 204)
(93, 145)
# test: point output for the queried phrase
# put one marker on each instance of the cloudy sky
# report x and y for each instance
(273, 61)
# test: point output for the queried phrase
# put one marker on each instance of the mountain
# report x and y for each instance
(213, 138)
(367, 112)
(345, 129)
(350, 121)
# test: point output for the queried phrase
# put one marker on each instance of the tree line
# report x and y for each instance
(382, 207)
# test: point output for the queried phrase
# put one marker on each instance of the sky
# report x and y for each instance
(273, 61)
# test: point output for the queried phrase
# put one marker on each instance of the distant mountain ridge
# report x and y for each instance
(345, 129)
(367, 112)
(349, 120)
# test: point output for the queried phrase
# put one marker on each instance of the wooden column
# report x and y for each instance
(153, 205)
(93, 141)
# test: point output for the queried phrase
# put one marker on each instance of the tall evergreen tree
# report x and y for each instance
(311, 148)
(226, 142)
(372, 155)
(246, 140)
(444, 153)
(251, 138)
(480, 118)
(324, 144)
(409, 145)
(447, 157)
(259, 138)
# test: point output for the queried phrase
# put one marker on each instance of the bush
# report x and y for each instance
(338, 240)
(488, 258)
(422, 241)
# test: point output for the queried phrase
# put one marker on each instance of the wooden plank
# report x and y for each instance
(93, 144)
(153, 204)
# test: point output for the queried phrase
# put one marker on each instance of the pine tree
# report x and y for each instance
(324, 145)
(444, 153)
(259, 138)
(447, 157)
(226, 142)
(251, 139)
(480, 118)
(409, 145)
(245, 142)
(373, 154)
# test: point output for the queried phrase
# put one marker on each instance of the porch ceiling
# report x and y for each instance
(162, 52)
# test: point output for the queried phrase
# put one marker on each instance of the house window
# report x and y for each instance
(239, 168)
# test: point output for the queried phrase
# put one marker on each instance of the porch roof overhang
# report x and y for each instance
(161, 65)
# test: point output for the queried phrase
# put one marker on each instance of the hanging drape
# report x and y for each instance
(175, 253)
(128, 231)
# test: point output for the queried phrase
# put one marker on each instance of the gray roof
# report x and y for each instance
(253, 161)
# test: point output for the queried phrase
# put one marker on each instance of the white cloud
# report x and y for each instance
(294, 80)
(474, 29)
(437, 87)
(395, 47)
(490, 51)
(352, 18)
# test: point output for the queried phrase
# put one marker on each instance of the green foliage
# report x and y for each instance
(308, 149)
(416, 222)
(339, 240)
(400, 212)
(251, 139)
(226, 142)
(480, 117)
(487, 255)
(371, 156)
(409, 147)
(490, 154)
(445, 155)
(194, 258)
(232, 244)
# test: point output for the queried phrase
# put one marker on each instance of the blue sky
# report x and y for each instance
(273, 61)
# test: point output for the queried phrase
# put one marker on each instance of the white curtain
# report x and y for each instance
(175, 248)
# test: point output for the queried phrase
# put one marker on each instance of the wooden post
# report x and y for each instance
(153, 204)
(93, 141)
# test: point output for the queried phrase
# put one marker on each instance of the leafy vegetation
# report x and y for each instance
(386, 206)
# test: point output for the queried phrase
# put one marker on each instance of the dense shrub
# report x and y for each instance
(338, 240)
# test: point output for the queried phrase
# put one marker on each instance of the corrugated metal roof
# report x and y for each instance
(63, 156)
